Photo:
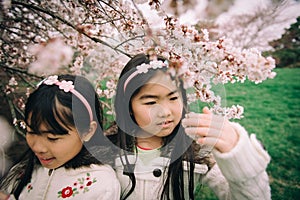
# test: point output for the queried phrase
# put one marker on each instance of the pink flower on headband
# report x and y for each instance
(143, 68)
(155, 64)
(51, 80)
(66, 85)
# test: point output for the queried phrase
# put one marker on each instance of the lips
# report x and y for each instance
(45, 161)
(165, 124)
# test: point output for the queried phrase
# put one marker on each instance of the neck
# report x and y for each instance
(152, 142)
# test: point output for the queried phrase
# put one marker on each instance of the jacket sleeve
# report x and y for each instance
(241, 173)
(112, 193)
(111, 189)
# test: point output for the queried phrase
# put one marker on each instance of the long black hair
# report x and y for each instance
(177, 146)
(60, 111)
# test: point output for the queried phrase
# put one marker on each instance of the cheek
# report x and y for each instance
(143, 116)
(29, 140)
(177, 109)
(73, 148)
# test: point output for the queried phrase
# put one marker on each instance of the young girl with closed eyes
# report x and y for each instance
(158, 157)
(69, 157)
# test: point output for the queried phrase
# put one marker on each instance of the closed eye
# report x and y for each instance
(52, 139)
(150, 103)
(174, 98)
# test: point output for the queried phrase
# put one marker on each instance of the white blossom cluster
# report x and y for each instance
(96, 39)
(203, 63)
(61, 55)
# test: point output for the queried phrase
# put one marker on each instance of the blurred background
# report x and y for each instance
(272, 108)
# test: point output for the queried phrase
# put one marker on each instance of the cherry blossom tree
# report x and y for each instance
(286, 49)
(259, 24)
(95, 38)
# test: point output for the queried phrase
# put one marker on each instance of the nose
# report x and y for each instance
(164, 110)
(36, 143)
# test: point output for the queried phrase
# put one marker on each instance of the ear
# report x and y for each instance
(87, 136)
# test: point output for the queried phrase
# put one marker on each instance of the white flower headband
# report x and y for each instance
(67, 86)
(144, 68)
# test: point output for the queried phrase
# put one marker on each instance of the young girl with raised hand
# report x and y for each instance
(159, 160)
(69, 156)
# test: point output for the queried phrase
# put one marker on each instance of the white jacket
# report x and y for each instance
(94, 182)
(239, 174)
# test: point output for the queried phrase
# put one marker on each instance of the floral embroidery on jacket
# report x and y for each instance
(81, 185)
(29, 187)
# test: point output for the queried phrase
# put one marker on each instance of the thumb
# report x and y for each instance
(206, 110)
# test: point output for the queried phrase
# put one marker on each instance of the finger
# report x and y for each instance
(211, 141)
(195, 115)
(213, 121)
(203, 132)
(196, 121)
(206, 110)
(217, 143)
(192, 115)
(198, 131)
(218, 122)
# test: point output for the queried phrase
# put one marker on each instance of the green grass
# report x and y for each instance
(272, 112)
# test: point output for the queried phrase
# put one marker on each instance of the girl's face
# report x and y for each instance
(54, 150)
(157, 107)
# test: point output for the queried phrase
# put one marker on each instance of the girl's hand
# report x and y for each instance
(211, 129)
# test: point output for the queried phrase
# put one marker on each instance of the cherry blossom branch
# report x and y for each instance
(12, 112)
(52, 14)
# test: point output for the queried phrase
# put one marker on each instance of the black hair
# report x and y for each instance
(177, 146)
(60, 111)
(43, 107)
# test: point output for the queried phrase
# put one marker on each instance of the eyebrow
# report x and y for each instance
(148, 96)
(42, 132)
